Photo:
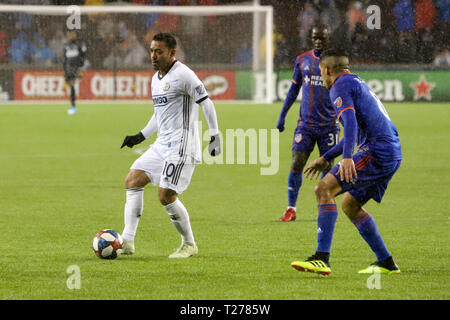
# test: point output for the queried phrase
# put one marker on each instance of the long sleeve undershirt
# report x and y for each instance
(292, 95)
(347, 145)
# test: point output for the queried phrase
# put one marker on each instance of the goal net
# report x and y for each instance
(229, 47)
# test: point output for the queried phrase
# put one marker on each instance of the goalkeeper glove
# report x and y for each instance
(130, 141)
(214, 145)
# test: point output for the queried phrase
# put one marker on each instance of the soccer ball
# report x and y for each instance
(107, 244)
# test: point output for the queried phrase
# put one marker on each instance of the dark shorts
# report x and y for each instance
(70, 73)
(373, 177)
(306, 138)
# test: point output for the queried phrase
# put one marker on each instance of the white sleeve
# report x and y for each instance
(194, 87)
(211, 117)
(151, 128)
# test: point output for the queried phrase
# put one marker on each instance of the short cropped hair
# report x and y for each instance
(320, 27)
(167, 38)
(338, 61)
(333, 52)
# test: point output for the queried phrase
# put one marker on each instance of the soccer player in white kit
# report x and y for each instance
(170, 161)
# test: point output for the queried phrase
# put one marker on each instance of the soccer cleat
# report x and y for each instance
(185, 251)
(289, 215)
(313, 264)
(72, 110)
(128, 247)
(386, 266)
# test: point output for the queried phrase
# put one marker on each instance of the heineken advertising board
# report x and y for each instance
(388, 85)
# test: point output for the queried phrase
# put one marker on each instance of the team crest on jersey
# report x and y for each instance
(166, 87)
(298, 137)
(338, 102)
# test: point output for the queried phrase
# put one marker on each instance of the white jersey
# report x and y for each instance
(175, 97)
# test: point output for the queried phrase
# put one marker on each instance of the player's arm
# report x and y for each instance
(291, 96)
(83, 52)
(288, 102)
(211, 118)
(195, 88)
(83, 63)
(149, 130)
(345, 147)
(347, 169)
(64, 58)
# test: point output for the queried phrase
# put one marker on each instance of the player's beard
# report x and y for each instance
(155, 66)
(162, 66)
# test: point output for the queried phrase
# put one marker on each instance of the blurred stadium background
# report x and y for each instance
(407, 59)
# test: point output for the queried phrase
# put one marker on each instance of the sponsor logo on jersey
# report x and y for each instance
(160, 101)
(313, 80)
(72, 53)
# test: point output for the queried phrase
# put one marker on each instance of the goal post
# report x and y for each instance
(228, 31)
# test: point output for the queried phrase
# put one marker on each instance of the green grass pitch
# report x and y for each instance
(61, 181)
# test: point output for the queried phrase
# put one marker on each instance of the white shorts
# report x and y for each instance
(166, 167)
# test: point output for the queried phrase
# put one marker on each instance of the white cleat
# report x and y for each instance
(128, 247)
(72, 111)
(185, 251)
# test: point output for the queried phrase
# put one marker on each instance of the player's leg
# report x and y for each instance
(296, 176)
(71, 83)
(135, 182)
(373, 179)
(302, 146)
(179, 217)
(144, 170)
(326, 191)
(367, 228)
(178, 214)
(295, 181)
(175, 178)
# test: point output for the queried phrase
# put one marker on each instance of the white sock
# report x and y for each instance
(132, 213)
(180, 219)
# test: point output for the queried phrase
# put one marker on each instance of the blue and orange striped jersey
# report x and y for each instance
(376, 132)
(316, 109)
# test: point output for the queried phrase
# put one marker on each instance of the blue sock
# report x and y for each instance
(368, 230)
(294, 183)
(325, 226)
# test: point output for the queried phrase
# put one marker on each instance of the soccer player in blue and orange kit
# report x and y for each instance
(361, 176)
(317, 120)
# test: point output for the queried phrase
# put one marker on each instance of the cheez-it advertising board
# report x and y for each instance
(103, 85)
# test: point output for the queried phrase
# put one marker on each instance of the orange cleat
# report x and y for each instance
(289, 215)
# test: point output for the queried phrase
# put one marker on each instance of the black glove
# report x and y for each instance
(214, 145)
(130, 141)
